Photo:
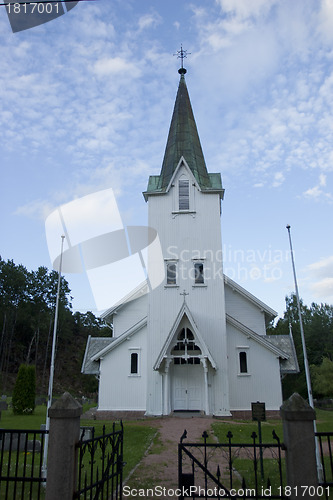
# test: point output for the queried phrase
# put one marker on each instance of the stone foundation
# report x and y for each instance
(118, 415)
(95, 414)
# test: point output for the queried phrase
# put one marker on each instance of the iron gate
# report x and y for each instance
(21, 460)
(230, 470)
(101, 464)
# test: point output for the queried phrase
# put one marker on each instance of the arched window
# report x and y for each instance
(186, 348)
(243, 362)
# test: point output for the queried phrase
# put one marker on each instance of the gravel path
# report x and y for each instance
(156, 476)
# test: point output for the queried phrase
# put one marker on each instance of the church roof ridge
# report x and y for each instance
(119, 340)
(261, 339)
(236, 286)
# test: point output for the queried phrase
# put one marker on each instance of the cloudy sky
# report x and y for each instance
(86, 105)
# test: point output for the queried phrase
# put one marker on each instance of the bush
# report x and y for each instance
(24, 391)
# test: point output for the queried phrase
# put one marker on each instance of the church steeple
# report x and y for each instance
(183, 141)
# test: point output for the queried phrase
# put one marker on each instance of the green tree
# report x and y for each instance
(24, 392)
(318, 332)
(13, 294)
(322, 378)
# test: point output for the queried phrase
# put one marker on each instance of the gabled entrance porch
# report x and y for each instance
(184, 364)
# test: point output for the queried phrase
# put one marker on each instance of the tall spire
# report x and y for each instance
(183, 139)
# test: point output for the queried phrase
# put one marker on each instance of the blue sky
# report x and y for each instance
(87, 102)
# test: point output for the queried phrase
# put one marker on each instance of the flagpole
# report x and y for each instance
(50, 390)
(305, 356)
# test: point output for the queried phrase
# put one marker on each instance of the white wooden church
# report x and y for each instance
(198, 341)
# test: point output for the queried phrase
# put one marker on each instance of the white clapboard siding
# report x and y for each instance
(262, 382)
(244, 311)
(129, 314)
(118, 389)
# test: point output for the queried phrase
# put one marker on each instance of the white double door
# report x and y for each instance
(187, 387)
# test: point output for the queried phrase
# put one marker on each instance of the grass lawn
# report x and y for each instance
(22, 422)
(324, 419)
(137, 437)
(242, 430)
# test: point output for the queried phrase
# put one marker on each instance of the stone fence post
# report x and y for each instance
(299, 439)
(62, 454)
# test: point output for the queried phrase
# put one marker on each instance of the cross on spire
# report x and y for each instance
(181, 54)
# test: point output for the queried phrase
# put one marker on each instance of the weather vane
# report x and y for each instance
(182, 54)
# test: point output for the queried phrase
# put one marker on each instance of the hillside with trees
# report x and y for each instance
(27, 306)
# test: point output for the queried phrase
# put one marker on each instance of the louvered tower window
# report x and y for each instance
(184, 194)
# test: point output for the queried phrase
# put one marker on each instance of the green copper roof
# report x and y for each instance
(183, 140)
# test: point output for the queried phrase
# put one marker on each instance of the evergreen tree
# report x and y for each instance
(24, 392)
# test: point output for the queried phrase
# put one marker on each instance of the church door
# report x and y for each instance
(187, 387)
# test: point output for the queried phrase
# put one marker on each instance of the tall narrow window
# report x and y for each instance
(171, 273)
(184, 194)
(199, 273)
(134, 363)
(243, 362)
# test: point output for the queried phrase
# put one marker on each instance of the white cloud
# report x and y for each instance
(313, 193)
(36, 209)
(278, 179)
(326, 20)
(323, 289)
(322, 180)
(149, 20)
(116, 66)
(323, 267)
(321, 274)
(245, 8)
(317, 193)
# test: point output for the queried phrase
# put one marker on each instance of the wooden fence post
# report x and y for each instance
(299, 439)
(62, 454)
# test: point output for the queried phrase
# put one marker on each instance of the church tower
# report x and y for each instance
(186, 337)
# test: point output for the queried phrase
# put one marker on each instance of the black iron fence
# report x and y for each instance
(231, 470)
(100, 464)
(21, 460)
(325, 450)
